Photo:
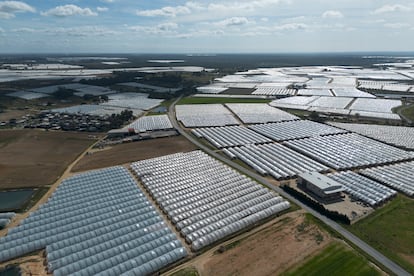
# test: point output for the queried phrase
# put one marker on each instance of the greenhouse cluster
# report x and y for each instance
(275, 160)
(93, 109)
(345, 151)
(206, 200)
(395, 135)
(97, 222)
(204, 115)
(363, 188)
(27, 95)
(132, 101)
(295, 130)
(398, 176)
(260, 113)
(314, 92)
(372, 108)
(230, 136)
(375, 105)
(351, 92)
(274, 91)
(150, 123)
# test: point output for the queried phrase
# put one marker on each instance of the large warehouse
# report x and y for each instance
(325, 188)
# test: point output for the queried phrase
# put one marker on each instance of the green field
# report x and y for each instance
(336, 260)
(391, 231)
(207, 100)
(408, 112)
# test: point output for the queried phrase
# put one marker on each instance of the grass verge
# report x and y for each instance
(408, 112)
(336, 259)
(390, 230)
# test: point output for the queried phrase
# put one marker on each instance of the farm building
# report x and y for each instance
(325, 188)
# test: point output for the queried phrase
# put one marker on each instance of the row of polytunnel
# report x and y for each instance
(295, 130)
(363, 188)
(347, 151)
(206, 200)
(275, 160)
(256, 113)
(400, 136)
(5, 218)
(397, 176)
(230, 136)
(97, 222)
(204, 115)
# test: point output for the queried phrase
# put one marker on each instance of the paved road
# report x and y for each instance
(345, 233)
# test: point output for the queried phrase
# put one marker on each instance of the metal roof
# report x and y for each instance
(324, 183)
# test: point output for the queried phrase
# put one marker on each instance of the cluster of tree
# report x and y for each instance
(334, 215)
(93, 98)
(63, 93)
(117, 77)
(118, 120)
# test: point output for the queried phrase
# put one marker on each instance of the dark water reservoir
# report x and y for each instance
(13, 200)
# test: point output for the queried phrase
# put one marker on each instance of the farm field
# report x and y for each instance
(336, 259)
(33, 158)
(279, 245)
(391, 231)
(408, 112)
(125, 153)
(201, 100)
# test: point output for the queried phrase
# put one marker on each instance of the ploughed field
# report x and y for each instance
(33, 158)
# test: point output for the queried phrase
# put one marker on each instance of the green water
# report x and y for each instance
(13, 200)
(10, 271)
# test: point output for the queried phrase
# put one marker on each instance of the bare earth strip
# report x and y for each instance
(135, 151)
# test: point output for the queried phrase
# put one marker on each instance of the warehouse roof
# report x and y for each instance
(324, 183)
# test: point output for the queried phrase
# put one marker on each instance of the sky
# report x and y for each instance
(206, 26)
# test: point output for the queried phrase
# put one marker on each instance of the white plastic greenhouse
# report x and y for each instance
(398, 176)
(97, 222)
(295, 130)
(206, 200)
(230, 136)
(345, 151)
(363, 188)
(276, 160)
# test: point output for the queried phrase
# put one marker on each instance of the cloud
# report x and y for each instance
(392, 8)
(82, 31)
(108, 1)
(233, 21)
(397, 25)
(332, 14)
(212, 9)
(1, 30)
(165, 11)
(69, 10)
(9, 8)
(102, 9)
(163, 28)
(291, 26)
(24, 30)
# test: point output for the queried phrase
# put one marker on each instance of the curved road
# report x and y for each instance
(345, 233)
